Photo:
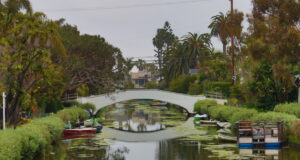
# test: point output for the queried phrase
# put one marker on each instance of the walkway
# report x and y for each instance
(183, 100)
(182, 130)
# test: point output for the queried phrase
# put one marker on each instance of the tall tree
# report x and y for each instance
(163, 41)
(220, 28)
(26, 61)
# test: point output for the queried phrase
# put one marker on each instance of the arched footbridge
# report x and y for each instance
(183, 100)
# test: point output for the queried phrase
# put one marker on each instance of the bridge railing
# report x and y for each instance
(120, 91)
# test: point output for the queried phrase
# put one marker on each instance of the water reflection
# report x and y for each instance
(140, 116)
(143, 116)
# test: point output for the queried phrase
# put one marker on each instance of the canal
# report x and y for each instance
(151, 130)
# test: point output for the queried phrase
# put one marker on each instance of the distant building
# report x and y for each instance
(139, 79)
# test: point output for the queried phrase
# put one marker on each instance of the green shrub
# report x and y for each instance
(222, 87)
(182, 83)
(29, 139)
(151, 85)
(72, 103)
(242, 114)
(72, 114)
(295, 132)
(34, 139)
(88, 106)
(54, 125)
(10, 145)
(291, 108)
(51, 105)
(195, 89)
(231, 114)
(202, 106)
(274, 117)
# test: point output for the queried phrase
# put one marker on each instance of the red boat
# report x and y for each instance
(80, 131)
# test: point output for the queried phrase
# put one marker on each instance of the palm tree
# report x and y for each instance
(220, 27)
(197, 47)
(187, 54)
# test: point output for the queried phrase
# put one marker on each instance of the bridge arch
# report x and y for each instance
(183, 100)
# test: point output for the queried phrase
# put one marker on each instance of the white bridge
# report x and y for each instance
(183, 100)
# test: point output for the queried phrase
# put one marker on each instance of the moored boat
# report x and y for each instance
(225, 138)
(211, 122)
(80, 131)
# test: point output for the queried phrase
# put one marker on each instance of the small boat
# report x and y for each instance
(225, 138)
(223, 124)
(209, 122)
(80, 131)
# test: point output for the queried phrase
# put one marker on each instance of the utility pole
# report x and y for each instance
(297, 83)
(4, 105)
(232, 48)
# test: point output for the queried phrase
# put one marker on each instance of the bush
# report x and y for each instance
(274, 117)
(72, 114)
(152, 85)
(72, 103)
(88, 106)
(10, 145)
(231, 114)
(295, 132)
(195, 89)
(54, 125)
(51, 105)
(222, 87)
(182, 83)
(202, 106)
(291, 108)
(29, 139)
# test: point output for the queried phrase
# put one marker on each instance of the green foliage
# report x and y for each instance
(195, 89)
(202, 106)
(10, 145)
(182, 83)
(289, 108)
(26, 141)
(221, 87)
(72, 103)
(263, 87)
(88, 106)
(51, 105)
(83, 90)
(273, 117)
(72, 114)
(295, 132)
(152, 85)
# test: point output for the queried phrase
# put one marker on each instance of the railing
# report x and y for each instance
(215, 95)
(68, 97)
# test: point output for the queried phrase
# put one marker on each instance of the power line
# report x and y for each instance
(126, 7)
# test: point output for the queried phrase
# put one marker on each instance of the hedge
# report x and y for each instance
(289, 108)
(202, 106)
(28, 140)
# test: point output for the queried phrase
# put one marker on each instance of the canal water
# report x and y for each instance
(155, 119)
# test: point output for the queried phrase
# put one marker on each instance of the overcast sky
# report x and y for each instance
(131, 24)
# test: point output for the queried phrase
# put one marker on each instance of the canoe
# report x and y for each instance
(225, 138)
(80, 131)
